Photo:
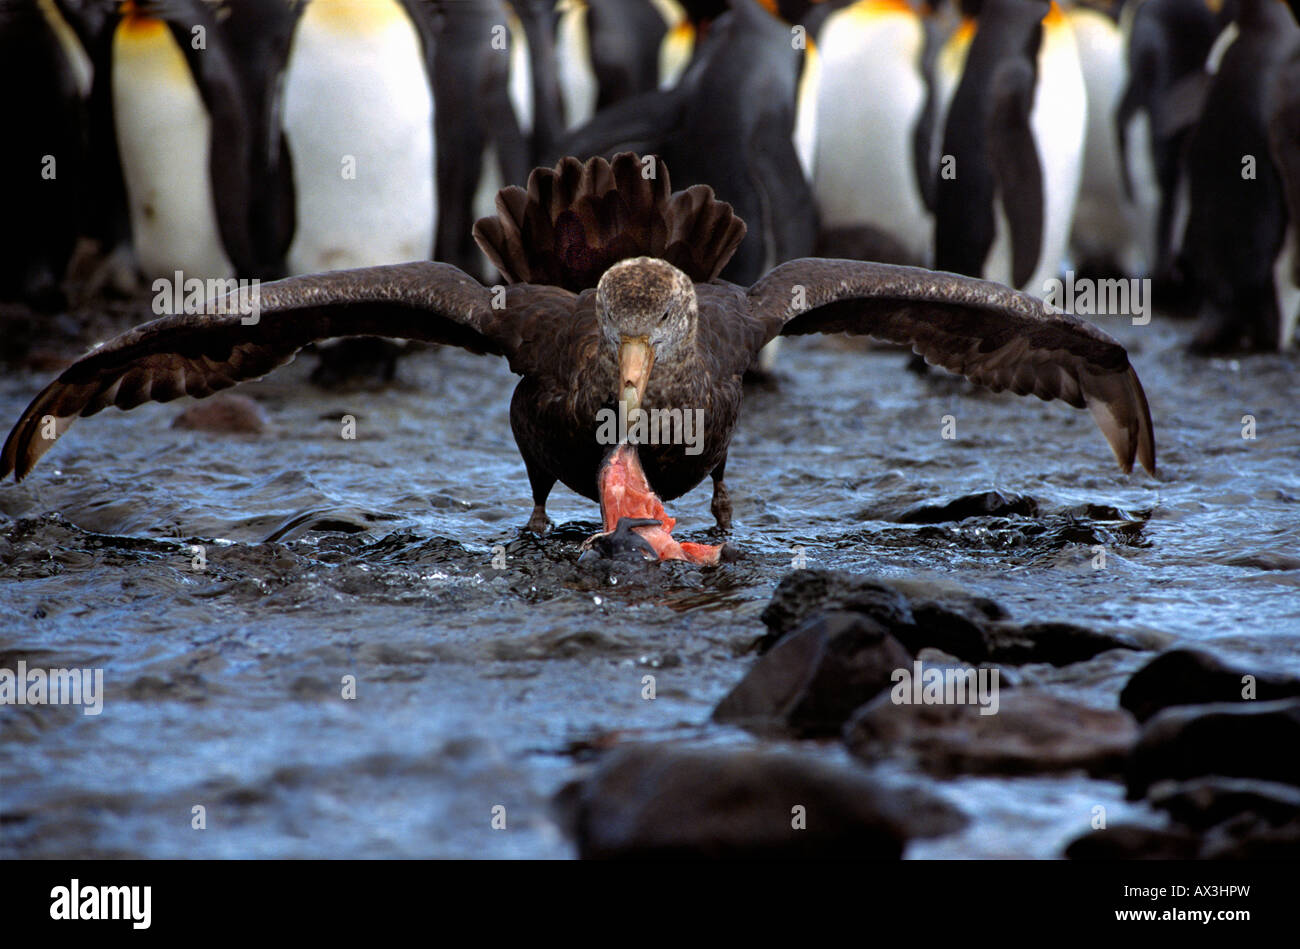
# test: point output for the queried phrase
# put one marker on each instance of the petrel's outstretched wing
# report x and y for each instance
(984, 331)
(199, 354)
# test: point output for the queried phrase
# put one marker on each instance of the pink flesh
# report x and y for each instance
(625, 492)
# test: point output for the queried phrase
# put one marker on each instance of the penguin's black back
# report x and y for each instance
(42, 111)
(1237, 222)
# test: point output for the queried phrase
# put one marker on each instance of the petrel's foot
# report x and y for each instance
(539, 523)
(623, 542)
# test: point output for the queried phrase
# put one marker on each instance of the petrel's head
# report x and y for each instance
(648, 311)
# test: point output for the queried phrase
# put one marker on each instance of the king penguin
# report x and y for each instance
(358, 120)
(871, 96)
(180, 138)
(1235, 245)
(587, 55)
(1106, 237)
(47, 75)
(1012, 152)
(609, 50)
(257, 34)
(481, 144)
(1167, 43)
(728, 123)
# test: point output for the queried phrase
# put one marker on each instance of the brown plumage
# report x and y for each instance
(585, 331)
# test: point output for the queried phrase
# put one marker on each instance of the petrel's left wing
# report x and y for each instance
(984, 331)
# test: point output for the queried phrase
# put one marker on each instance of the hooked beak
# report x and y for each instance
(635, 360)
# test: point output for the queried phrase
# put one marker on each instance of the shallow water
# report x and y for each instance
(479, 687)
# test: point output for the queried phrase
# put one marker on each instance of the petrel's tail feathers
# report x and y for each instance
(577, 220)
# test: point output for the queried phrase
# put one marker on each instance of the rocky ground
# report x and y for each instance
(1209, 744)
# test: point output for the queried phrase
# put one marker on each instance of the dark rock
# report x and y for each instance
(1057, 643)
(1192, 677)
(805, 593)
(1107, 512)
(1203, 803)
(1031, 732)
(920, 615)
(227, 413)
(910, 611)
(1247, 837)
(812, 680)
(983, 504)
(1133, 841)
(1243, 740)
(661, 800)
(951, 629)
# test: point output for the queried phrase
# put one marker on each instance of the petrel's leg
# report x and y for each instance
(538, 522)
(721, 506)
(542, 482)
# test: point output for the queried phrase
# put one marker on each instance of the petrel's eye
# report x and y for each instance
(664, 318)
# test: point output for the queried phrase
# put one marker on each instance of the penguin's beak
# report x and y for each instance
(635, 360)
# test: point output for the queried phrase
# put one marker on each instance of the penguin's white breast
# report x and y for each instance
(579, 86)
(870, 97)
(1059, 120)
(520, 84)
(358, 119)
(164, 137)
(1105, 219)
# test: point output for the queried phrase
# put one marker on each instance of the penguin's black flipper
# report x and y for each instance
(1127, 108)
(1284, 137)
(538, 19)
(1013, 157)
(257, 34)
(927, 129)
(1182, 105)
